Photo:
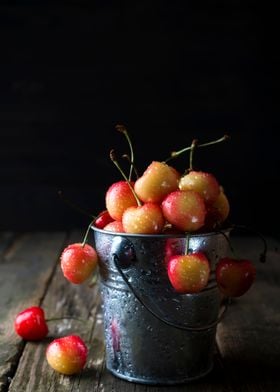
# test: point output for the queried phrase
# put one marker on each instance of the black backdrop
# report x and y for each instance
(170, 70)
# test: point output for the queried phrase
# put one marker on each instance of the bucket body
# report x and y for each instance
(154, 335)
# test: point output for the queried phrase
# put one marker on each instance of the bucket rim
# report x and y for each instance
(222, 231)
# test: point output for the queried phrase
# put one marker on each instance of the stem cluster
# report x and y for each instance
(192, 148)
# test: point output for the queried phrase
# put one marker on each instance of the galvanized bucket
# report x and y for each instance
(154, 335)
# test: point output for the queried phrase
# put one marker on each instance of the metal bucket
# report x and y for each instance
(154, 335)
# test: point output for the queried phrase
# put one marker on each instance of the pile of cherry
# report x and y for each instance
(160, 201)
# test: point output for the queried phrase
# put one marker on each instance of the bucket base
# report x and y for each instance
(159, 382)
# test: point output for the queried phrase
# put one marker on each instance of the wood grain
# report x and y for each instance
(26, 266)
(249, 336)
(64, 299)
(247, 357)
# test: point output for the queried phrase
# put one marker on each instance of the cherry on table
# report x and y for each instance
(67, 355)
(31, 324)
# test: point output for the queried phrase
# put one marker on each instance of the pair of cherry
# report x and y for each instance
(66, 355)
(190, 274)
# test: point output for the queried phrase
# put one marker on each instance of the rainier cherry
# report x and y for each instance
(157, 181)
(30, 324)
(115, 226)
(103, 219)
(118, 198)
(78, 261)
(185, 210)
(67, 355)
(235, 277)
(189, 273)
(217, 212)
(140, 218)
(145, 219)
(203, 183)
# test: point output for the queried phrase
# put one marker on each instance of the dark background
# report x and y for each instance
(170, 71)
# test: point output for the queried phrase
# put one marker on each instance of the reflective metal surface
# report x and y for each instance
(153, 334)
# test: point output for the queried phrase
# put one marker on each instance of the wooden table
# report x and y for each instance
(248, 339)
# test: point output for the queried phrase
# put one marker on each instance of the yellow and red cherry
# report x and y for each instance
(144, 219)
(67, 355)
(30, 324)
(118, 198)
(185, 210)
(218, 212)
(78, 262)
(103, 219)
(158, 180)
(235, 276)
(189, 274)
(115, 226)
(204, 183)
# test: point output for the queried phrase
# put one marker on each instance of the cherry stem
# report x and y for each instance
(87, 232)
(193, 146)
(122, 129)
(73, 205)
(229, 243)
(64, 317)
(113, 159)
(264, 252)
(175, 154)
(133, 165)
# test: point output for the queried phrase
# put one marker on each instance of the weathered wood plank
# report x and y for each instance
(64, 299)
(215, 381)
(26, 267)
(248, 338)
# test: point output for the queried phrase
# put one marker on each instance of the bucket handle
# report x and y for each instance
(222, 312)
